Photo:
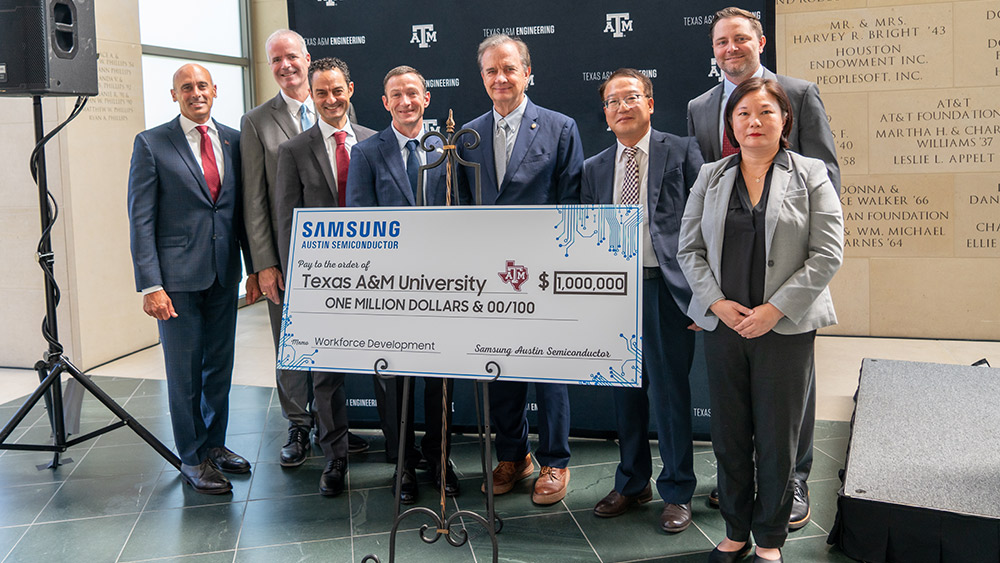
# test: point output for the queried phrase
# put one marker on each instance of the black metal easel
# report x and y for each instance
(53, 363)
(442, 522)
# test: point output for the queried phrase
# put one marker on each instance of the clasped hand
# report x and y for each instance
(748, 323)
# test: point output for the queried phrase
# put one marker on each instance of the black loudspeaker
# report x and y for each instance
(48, 48)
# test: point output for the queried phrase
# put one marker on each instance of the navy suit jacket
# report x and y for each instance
(545, 164)
(674, 163)
(180, 238)
(305, 179)
(377, 176)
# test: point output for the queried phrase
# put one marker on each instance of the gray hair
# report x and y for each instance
(499, 39)
(285, 33)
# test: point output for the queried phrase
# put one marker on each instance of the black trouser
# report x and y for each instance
(759, 389)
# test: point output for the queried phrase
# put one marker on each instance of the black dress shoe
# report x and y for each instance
(800, 505)
(713, 498)
(729, 556)
(331, 482)
(227, 461)
(205, 478)
(408, 489)
(451, 486)
(296, 450)
(356, 444)
(759, 559)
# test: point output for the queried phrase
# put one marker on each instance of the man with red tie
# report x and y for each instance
(312, 172)
(186, 230)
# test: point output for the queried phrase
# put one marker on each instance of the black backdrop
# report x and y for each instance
(575, 45)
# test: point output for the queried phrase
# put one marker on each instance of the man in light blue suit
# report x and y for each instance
(655, 170)
(528, 155)
(186, 231)
(384, 172)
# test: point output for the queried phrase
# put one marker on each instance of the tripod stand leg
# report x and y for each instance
(27, 406)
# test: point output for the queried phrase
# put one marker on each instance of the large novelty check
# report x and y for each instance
(548, 294)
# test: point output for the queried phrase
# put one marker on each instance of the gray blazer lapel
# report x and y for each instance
(279, 112)
(780, 179)
(719, 208)
(318, 145)
(715, 105)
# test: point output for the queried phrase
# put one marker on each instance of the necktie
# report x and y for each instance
(501, 155)
(727, 147)
(208, 164)
(630, 183)
(343, 160)
(304, 120)
(412, 166)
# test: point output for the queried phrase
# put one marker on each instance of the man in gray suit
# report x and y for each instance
(312, 172)
(737, 41)
(263, 128)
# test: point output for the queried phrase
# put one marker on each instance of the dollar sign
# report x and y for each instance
(545, 280)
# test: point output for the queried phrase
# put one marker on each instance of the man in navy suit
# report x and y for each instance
(655, 170)
(384, 172)
(312, 172)
(186, 230)
(528, 156)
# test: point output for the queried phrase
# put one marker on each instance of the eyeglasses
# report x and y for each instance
(628, 101)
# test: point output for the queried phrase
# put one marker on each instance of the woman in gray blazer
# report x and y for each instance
(761, 238)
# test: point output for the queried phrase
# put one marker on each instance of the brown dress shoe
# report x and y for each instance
(616, 504)
(550, 487)
(675, 518)
(509, 472)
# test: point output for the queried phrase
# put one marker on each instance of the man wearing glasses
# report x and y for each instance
(654, 170)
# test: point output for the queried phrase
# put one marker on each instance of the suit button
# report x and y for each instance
(214, 237)
(770, 263)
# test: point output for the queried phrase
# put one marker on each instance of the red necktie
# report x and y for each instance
(727, 147)
(208, 164)
(343, 160)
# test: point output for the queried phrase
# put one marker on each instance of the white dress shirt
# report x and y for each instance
(293, 106)
(331, 144)
(642, 162)
(194, 140)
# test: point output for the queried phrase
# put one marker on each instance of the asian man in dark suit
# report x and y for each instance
(263, 128)
(384, 172)
(528, 155)
(312, 172)
(737, 42)
(655, 170)
(186, 230)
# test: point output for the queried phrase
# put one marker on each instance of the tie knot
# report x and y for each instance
(203, 129)
(340, 137)
(303, 110)
(411, 145)
(502, 124)
(630, 152)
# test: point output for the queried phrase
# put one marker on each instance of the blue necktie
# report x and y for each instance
(412, 165)
(304, 120)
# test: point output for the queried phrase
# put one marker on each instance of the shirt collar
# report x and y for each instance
(513, 118)
(401, 138)
(187, 125)
(328, 130)
(642, 145)
(781, 159)
(728, 87)
(294, 105)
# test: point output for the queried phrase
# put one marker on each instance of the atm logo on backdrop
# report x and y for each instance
(424, 35)
(618, 24)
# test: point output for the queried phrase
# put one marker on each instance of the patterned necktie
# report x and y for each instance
(304, 120)
(343, 160)
(501, 152)
(727, 147)
(208, 164)
(630, 183)
(412, 165)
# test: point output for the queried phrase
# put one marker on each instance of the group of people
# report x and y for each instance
(741, 224)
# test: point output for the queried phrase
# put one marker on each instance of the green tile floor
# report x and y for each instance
(119, 501)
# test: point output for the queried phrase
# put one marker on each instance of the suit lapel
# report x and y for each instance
(604, 171)
(525, 136)
(388, 147)
(715, 105)
(227, 162)
(654, 176)
(780, 179)
(279, 112)
(487, 166)
(318, 146)
(180, 142)
(719, 209)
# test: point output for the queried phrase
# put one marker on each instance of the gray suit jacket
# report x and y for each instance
(261, 131)
(810, 135)
(304, 179)
(804, 242)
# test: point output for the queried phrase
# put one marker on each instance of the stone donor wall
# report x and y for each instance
(912, 90)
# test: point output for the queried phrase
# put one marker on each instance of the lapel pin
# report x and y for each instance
(533, 125)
